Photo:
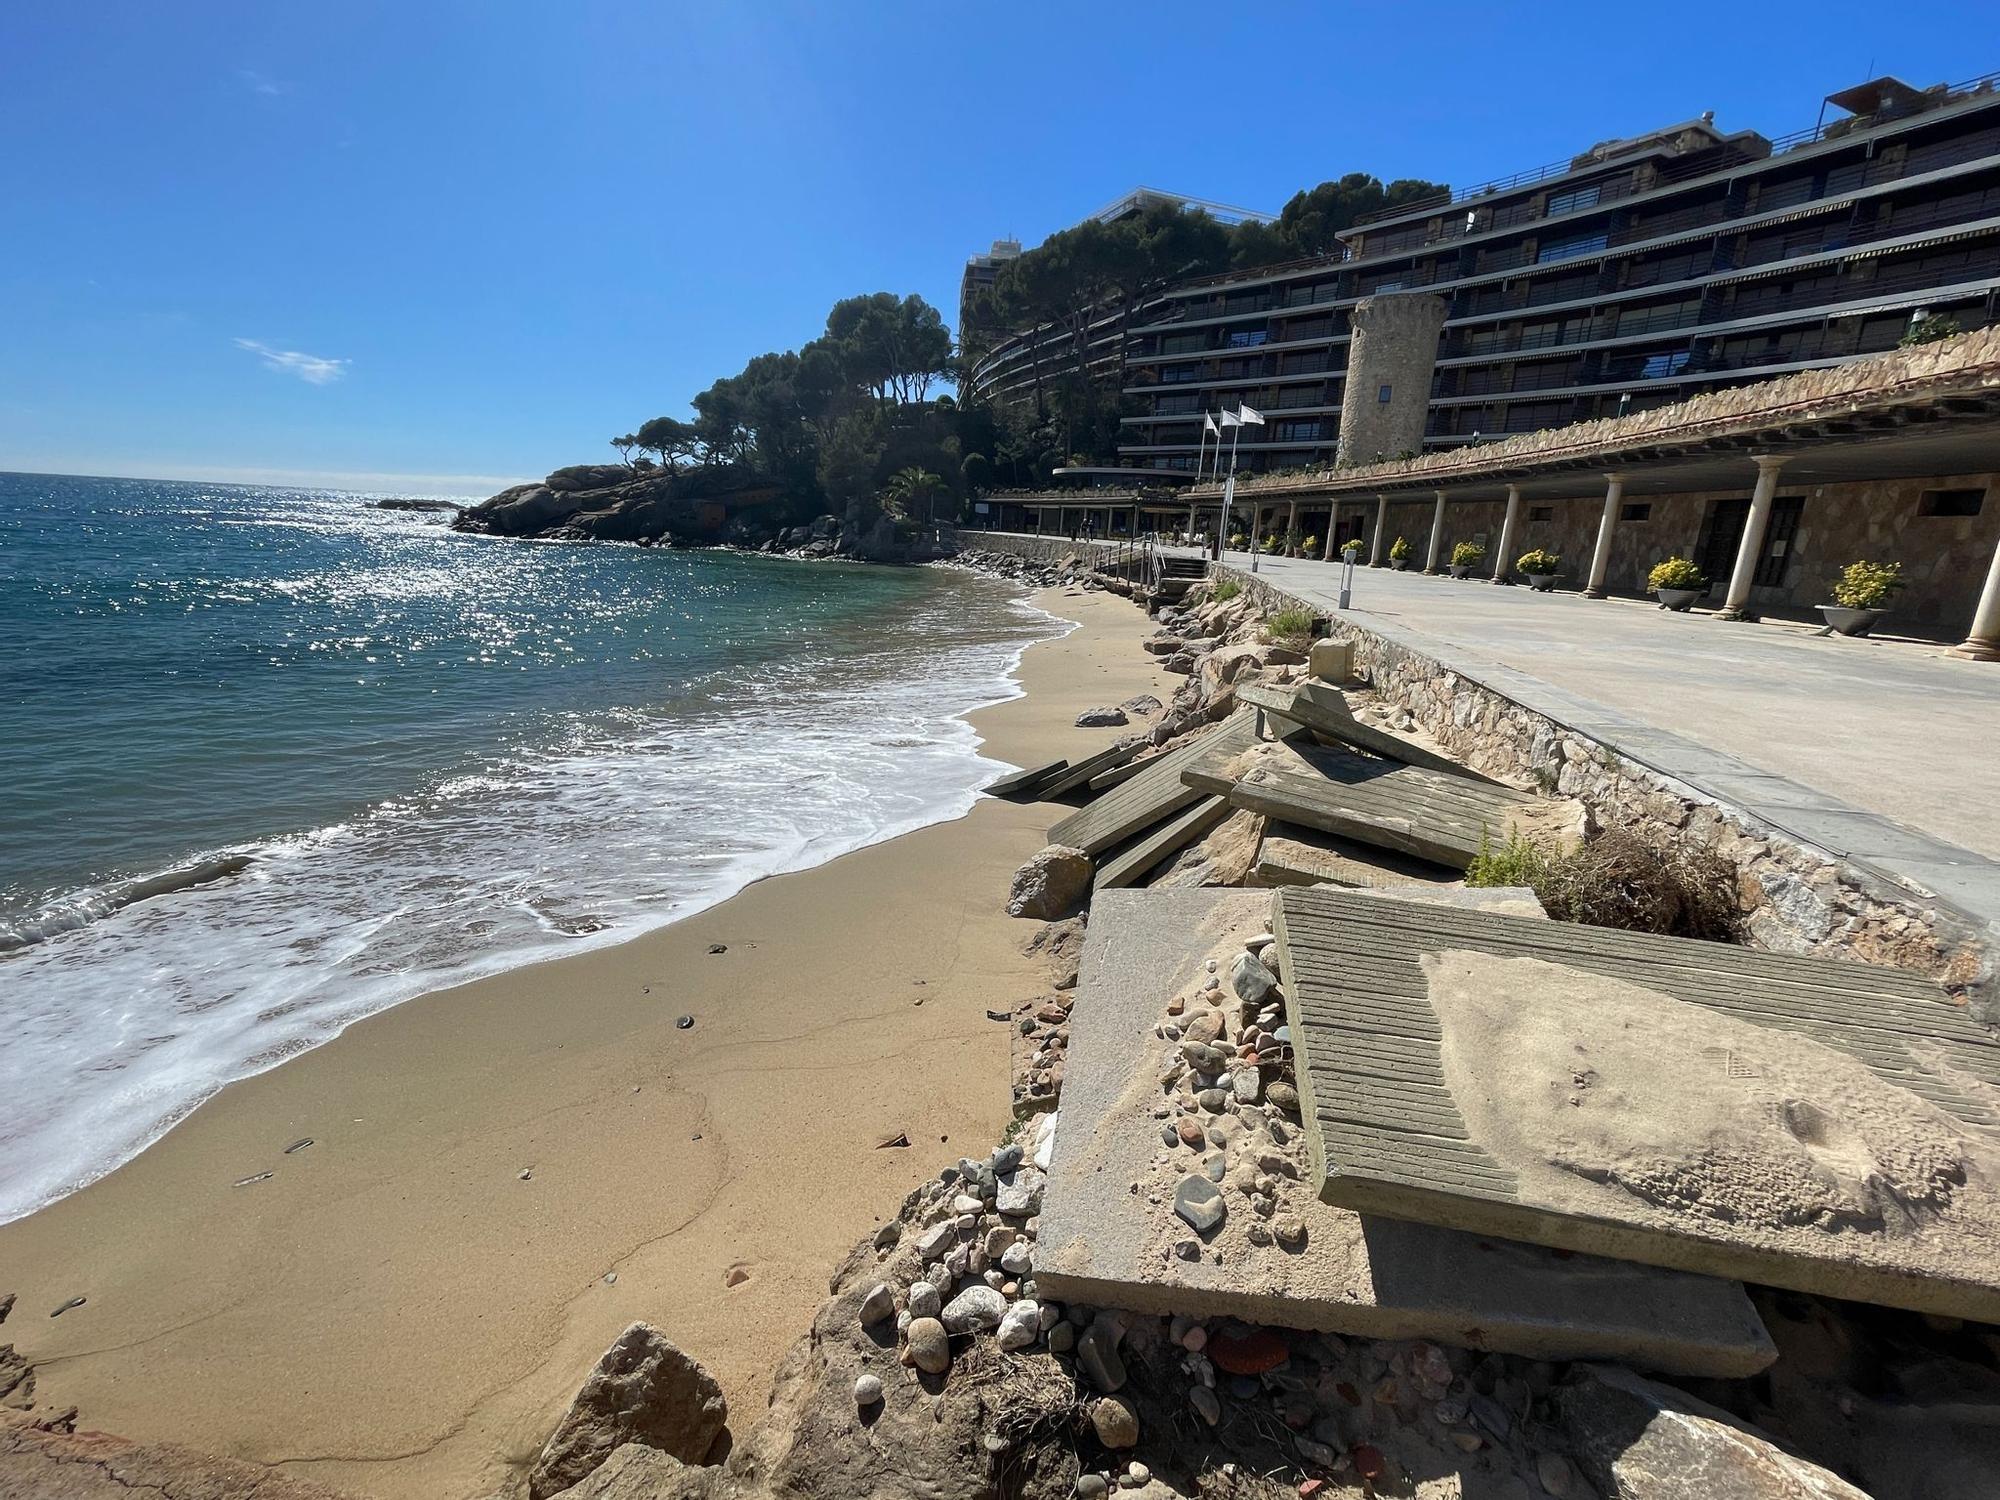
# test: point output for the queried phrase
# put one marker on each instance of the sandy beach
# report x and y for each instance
(501, 1176)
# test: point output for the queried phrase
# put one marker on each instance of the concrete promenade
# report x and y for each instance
(1898, 728)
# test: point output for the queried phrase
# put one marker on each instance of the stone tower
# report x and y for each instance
(1389, 365)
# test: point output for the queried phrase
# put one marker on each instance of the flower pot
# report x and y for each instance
(1678, 600)
(1399, 563)
(1460, 570)
(1845, 621)
(1542, 583)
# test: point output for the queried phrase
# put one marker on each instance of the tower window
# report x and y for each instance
(1382, 395)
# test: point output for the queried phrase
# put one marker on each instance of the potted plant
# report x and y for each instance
(1350, 551)
(1677, 582)
(1399, 554)
(1540, 567)
(1465, 557)
(1310, 546)
(1861, 596)
(1236, 541)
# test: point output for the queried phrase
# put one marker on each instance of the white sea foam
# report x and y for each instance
(125, 1015)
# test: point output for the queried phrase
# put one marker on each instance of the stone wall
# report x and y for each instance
(1797, 897)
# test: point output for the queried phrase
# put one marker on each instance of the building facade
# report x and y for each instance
(1639, 273)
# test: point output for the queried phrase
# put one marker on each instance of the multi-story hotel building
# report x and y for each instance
(1638, 273)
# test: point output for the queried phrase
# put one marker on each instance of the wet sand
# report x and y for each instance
(397, 1311)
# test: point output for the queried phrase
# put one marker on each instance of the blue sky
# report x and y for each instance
(434, 247)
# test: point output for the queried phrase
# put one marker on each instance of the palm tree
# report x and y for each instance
(913, 489)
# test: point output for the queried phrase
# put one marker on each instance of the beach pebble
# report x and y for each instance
(1115, 1422)
(1097, 1352)
(879, 1306)
(735, 1276)
(1253, 983)
(924, 1300)
(1020, 1326)
(1207, 1405)
(1016, 1259)
(868, 1391)
(1062, 1338)
(685, 1023)
(974, 1309)
(936, 1240)
(1557, 1475)
(1284, 1096)
(930, 1346)
(1020, 1193)
(1092, 1486)
(1136, 1477)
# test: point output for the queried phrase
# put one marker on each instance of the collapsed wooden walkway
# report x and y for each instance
(1388, 1135)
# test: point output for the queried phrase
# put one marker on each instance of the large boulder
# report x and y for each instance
(521, 511)
(644, 1390)
(1636, 1440)
(1051, 885)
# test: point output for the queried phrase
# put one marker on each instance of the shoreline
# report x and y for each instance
(398, 1311)
(603, 859)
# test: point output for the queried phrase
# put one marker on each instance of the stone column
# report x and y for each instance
(1737, 605)
(1292, 530)
(1508, 526)
(1600, 559)
(1983, 644)
(1437, 536)
(1381, 525)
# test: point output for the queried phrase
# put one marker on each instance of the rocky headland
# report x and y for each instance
(705, 506)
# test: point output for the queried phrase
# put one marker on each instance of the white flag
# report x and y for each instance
(1229, 419)
(1207, 422)
(1249, 416)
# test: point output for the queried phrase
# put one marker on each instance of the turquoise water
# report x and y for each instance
(272, 760)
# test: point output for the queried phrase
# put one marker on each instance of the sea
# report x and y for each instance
(273, 760)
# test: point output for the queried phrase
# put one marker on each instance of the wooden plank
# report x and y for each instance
(1025, 781)
(1323, 709)
(1132, 865)
(1104, 781)
(1388, 1136)
(1379, 802)
(1294, 855)
(1155, 793)
(1079, 774)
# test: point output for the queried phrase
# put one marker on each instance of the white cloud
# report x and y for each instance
(310, 368)
(257, 83)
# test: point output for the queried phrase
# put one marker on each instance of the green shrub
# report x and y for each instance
(1619, 880)
(1467, 555)
(1675, 573)
(1236, 541)
(1925, 330)
(1272, 544)
(1351, 547)
(1539, 563)
(1226, 590)
(1289, 625)
(1516, 862)
(1867, 585)
(1399, 550)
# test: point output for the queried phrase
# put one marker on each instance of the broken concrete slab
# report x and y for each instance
(1130, 866)
(1155, 793)
(1800, 1122)
(1375, 1277)
(1322, 708)
(1372, 800)
(1292, 854)
(1022, 783)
